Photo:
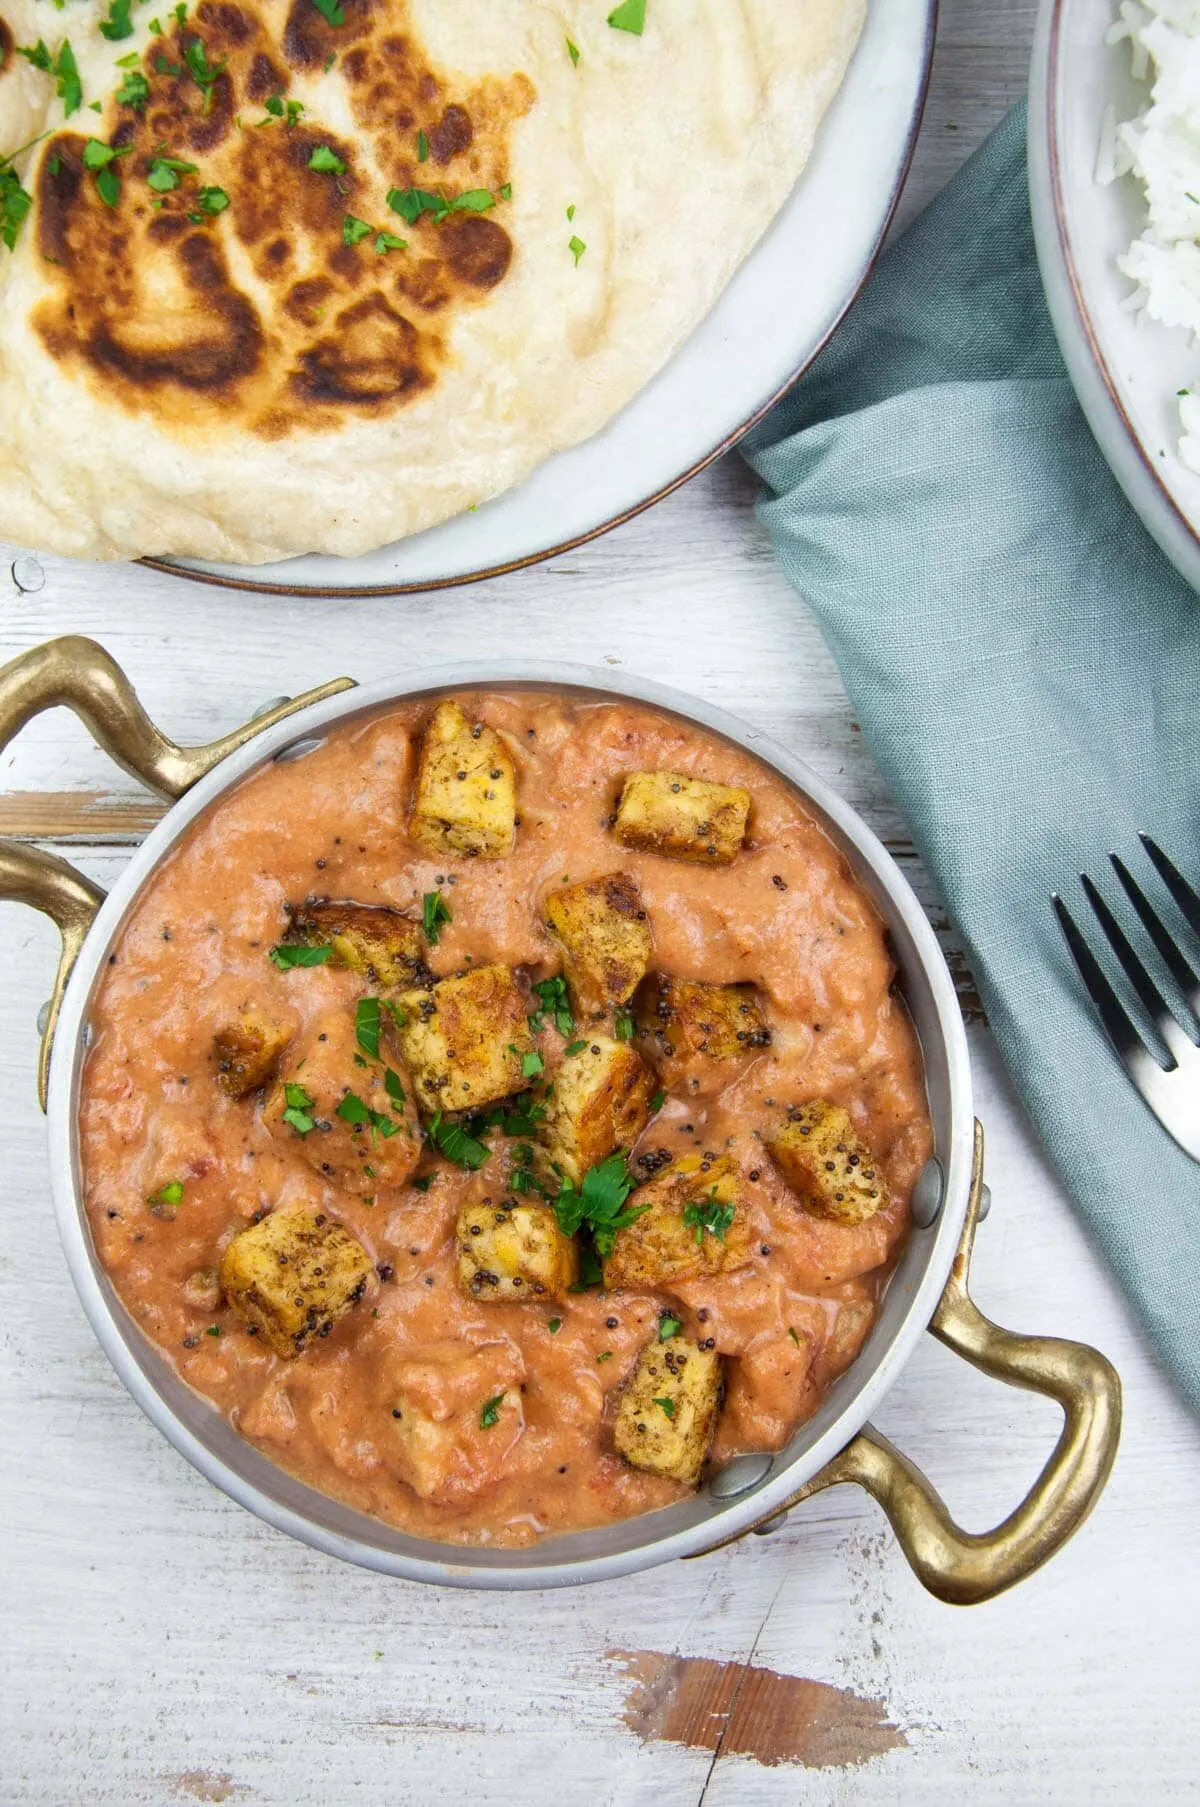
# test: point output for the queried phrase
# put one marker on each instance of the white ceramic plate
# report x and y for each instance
(1126, 371)
(766, 327)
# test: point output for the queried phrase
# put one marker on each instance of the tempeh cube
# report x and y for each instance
(601, 927)
(371, 939)
(465, 1038)
(668, 1412)
(293, 1276)
(599, 1101)
(466, 792)
(513, 1252)
(693, 1222)
(683, 818)
(246, 1053)
(830, 1170)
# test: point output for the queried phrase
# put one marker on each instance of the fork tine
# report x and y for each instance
(1179, 969)
(1117, 1025)
(1177, 885)
(1152, 1000)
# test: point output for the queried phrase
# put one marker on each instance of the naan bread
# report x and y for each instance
(243, 383)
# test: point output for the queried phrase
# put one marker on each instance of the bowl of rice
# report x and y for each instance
(1114, 172)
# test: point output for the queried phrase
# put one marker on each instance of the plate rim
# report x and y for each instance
(359, 592)
(1176, 535)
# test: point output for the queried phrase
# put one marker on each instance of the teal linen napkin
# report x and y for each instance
(1025, 665)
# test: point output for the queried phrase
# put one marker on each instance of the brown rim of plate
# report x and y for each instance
(1099, 361)
(618, 520)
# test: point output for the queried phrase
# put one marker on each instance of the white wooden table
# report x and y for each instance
(161, 1646)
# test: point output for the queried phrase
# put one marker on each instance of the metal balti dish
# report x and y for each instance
(928, 1289)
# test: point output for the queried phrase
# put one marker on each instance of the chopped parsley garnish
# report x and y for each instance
(505, 193)
(573, 53)
(424, 1183)
(387, 241)
(392, 1086)
(521, 1119)
(605, 1356)
(368, 1019)
(287, 955)
(590, 1272)
(170, 1194)
(554, 1326)
(411, 203)
(118, 23)
(287, 110)
(668, 1326)
(577, 248)
(574, 1048)
(552, 1002)
(668, 1406)
(452, 1140)
(62, 66)
(355, 1111)
(422, 148)
(490, 1413)
(134, 91)
(629, 16)
(599, 1203)
(793, 1336)
(108, 186)
(97, 155)
(434, 912)
(299, 1108)
(195, 56)
(326, 161)
(212, 200)
(571, 211)
(522, 1178)
(532, 1065)
(624, 1026)
(15, 203)
(165, 173)
(397, 1013)
(331, 10)
(658, 1100)
(708, 1214)
(213, 1330)
(354, 229)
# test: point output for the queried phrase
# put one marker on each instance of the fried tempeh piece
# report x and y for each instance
(599, 1101)
(293, 1276)
(682, 818)
(694, 1223)
(830, 1170)
(514, 1251)
(685, 1017)
(465, 800)
(371, 939)
(464, 1039)
(601, 927)
(668, 1412)
(246, 1053)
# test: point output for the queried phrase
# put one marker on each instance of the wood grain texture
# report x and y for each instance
(163, 1647)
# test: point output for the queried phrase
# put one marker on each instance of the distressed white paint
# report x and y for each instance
(161, 1646)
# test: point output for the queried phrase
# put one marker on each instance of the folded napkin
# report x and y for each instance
(1025, 665)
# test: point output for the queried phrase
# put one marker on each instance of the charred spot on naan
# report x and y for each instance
(7, 46)
(263, 312)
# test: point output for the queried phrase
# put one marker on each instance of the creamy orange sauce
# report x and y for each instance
(786, 915)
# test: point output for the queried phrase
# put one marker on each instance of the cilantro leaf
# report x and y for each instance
(708, 1214)
(475, 200)
(577, 248)
(552, 1002)
(165, 172)
(108, 186)
(532, 1065)
(452, 1140)
(354, 229)
(668, 1406)
(624, 1026)
(170, 1194)
(62, 66)
(287, 955)
(368, 1020)
(422, 148)
(411, 203)
(392, 1086)
(326, 161)
(355, 1111)
(668, 1326)
(134, 91)
(387, 241)
(554, 1326)
(573, 53)
(212, 200)
(658, 1100)
(599, 1203)
(490, 1414)
(331, 10)
(299, 1108)
(629, 16)
(118, 24)
(15, 203)
(201, 70)
(434, 912)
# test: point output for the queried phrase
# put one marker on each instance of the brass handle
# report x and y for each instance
(78, 673)
(964, 1567)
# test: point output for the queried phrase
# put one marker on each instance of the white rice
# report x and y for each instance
(1160, 146)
